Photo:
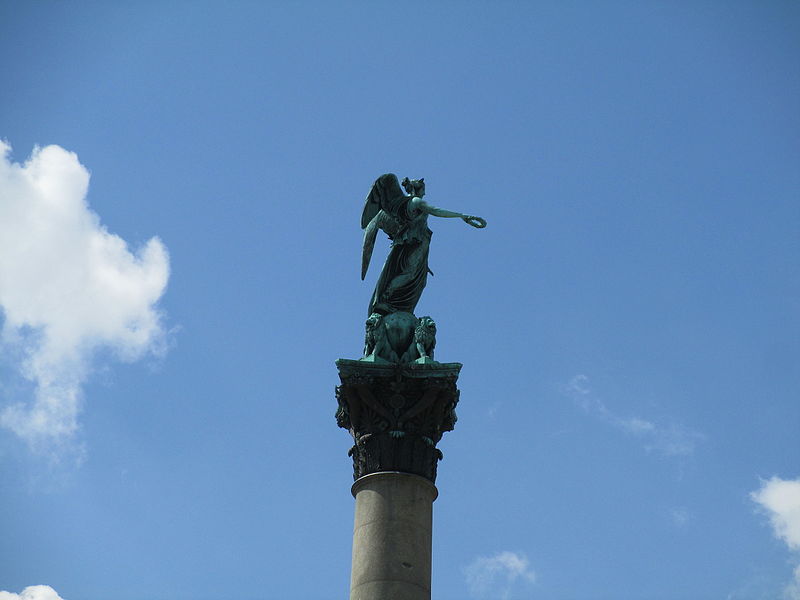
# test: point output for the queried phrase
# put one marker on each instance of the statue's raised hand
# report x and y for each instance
(478, 222)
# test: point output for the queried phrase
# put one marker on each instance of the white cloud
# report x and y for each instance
(494, 576)
(780, 500)
(667, 439)
(68, 288)
(32, 592)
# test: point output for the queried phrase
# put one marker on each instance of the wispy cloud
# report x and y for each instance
(680, 516)
(780, 500)
(666, 439)
(32, 592)
(68, 288)
(493, 577)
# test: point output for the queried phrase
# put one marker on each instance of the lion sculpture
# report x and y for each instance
(425, 337)
(375, 337)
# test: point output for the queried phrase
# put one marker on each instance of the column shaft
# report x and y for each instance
(392, 537)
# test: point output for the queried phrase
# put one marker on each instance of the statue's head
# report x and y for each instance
(415, 187)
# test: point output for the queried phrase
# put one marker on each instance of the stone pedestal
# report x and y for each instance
(396, 413)
(392, 537)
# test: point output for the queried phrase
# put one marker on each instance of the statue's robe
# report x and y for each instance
(405, 272)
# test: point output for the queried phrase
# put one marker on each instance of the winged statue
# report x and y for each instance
(402, 214)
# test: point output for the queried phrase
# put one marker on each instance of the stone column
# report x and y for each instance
(396, 414)
(392, 537)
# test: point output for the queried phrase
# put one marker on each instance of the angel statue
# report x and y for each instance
(404, 218)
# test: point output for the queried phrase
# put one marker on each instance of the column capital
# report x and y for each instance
(396, 414)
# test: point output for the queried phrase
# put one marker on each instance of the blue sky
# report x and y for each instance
(180, 199)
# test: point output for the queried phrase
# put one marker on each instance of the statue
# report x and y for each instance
(404, 218)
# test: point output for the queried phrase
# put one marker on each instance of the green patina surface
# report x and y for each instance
(404, 218)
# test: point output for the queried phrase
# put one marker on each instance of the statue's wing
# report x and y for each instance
(386, 191)
(370, 233)
(381, 221)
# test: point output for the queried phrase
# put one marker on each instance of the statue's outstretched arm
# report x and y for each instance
(423, 206)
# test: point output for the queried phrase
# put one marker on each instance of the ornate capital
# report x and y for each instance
(396, 414)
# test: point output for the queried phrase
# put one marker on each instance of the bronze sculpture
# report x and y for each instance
(404, 218)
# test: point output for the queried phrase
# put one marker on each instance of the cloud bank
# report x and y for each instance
(32, 592)
(494, 576)
(68, 288)
(667, 439)
(780, 500)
